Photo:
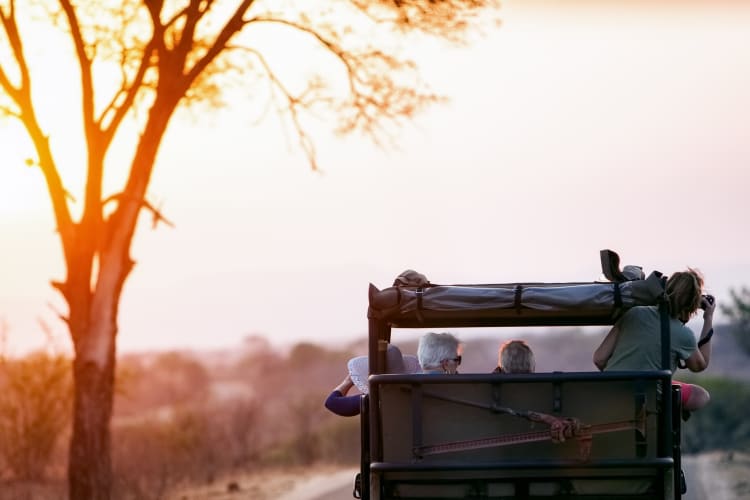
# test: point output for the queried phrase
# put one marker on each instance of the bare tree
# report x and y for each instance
(172, 53)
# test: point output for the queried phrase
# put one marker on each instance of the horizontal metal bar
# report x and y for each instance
(490, 378)
(663, 462)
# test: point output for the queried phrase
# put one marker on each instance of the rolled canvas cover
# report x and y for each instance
(545, 300)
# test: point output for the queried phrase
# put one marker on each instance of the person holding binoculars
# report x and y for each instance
(634, 342)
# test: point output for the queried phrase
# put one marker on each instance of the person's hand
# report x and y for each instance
(345, 385)
(708, 304)
(564, 428)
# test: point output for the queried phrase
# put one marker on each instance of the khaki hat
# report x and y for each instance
(411, 277)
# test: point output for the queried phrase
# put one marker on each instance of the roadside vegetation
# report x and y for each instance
(186, 419)
(180, 418)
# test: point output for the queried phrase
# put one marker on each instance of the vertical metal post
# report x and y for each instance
(665, 417)
(377, 330)
(364, 463)
(676, 395)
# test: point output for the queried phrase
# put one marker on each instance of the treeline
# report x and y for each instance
(182, 418)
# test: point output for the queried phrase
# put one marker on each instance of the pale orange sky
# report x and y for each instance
(568, 131)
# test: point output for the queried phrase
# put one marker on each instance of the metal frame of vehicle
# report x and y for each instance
(503, 305)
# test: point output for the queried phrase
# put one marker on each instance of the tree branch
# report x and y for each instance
(92, 131)
(293, 102)
(448, 19)
(233, 25)
(374, 92)
(21, 96)
(84, 64)
(130, 91)
(157, 215)
(5, 110)
(333, 48)
(193, 14)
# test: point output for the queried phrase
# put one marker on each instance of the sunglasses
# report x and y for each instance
(457, 359)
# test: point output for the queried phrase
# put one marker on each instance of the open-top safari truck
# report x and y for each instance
(613, 435)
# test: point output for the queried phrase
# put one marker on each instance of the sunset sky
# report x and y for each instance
(568, 130)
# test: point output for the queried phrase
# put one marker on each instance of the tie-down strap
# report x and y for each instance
(560, 429)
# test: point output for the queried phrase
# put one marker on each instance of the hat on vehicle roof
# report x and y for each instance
(359, 367)
(411, 277)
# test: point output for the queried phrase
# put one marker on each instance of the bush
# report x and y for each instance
(723, 424)
(739, 314)
(190, 445)
(339, 440)
(35, 409)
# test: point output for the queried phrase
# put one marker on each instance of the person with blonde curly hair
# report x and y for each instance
(634, 342)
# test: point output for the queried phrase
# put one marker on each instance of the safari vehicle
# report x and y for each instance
(490, 436)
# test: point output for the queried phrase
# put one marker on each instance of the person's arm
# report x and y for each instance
(345, 406)
(341, 404)
(698, 361)
(606, 348)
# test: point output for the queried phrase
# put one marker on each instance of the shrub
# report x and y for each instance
(722, 424)
(35, 409)
(190, 445)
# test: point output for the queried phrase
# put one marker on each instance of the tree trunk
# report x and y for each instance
(90, 468)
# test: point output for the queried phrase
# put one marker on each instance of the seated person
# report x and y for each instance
(348, 406)
(515, 356)
(439, 353)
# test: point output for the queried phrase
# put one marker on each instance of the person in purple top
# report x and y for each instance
(340, 403)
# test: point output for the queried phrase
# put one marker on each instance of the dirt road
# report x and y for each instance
(710, 476)
(717, 475)
(335, 486)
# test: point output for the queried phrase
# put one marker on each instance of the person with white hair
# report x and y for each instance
(439, 353)
(348, 406)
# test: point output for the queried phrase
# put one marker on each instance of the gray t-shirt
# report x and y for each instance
(639, 342)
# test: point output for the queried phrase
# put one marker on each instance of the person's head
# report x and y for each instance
(359, 367)
(684, 289)
(438, 352)
(515, 356)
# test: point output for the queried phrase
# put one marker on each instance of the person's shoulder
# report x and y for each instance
(679, 326)
(642, 311)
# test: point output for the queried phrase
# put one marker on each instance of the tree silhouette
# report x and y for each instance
(176, 53)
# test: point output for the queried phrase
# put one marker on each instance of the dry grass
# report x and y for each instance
(33, 490)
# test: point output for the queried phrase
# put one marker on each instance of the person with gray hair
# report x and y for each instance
(515, 356)
(439, 353)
